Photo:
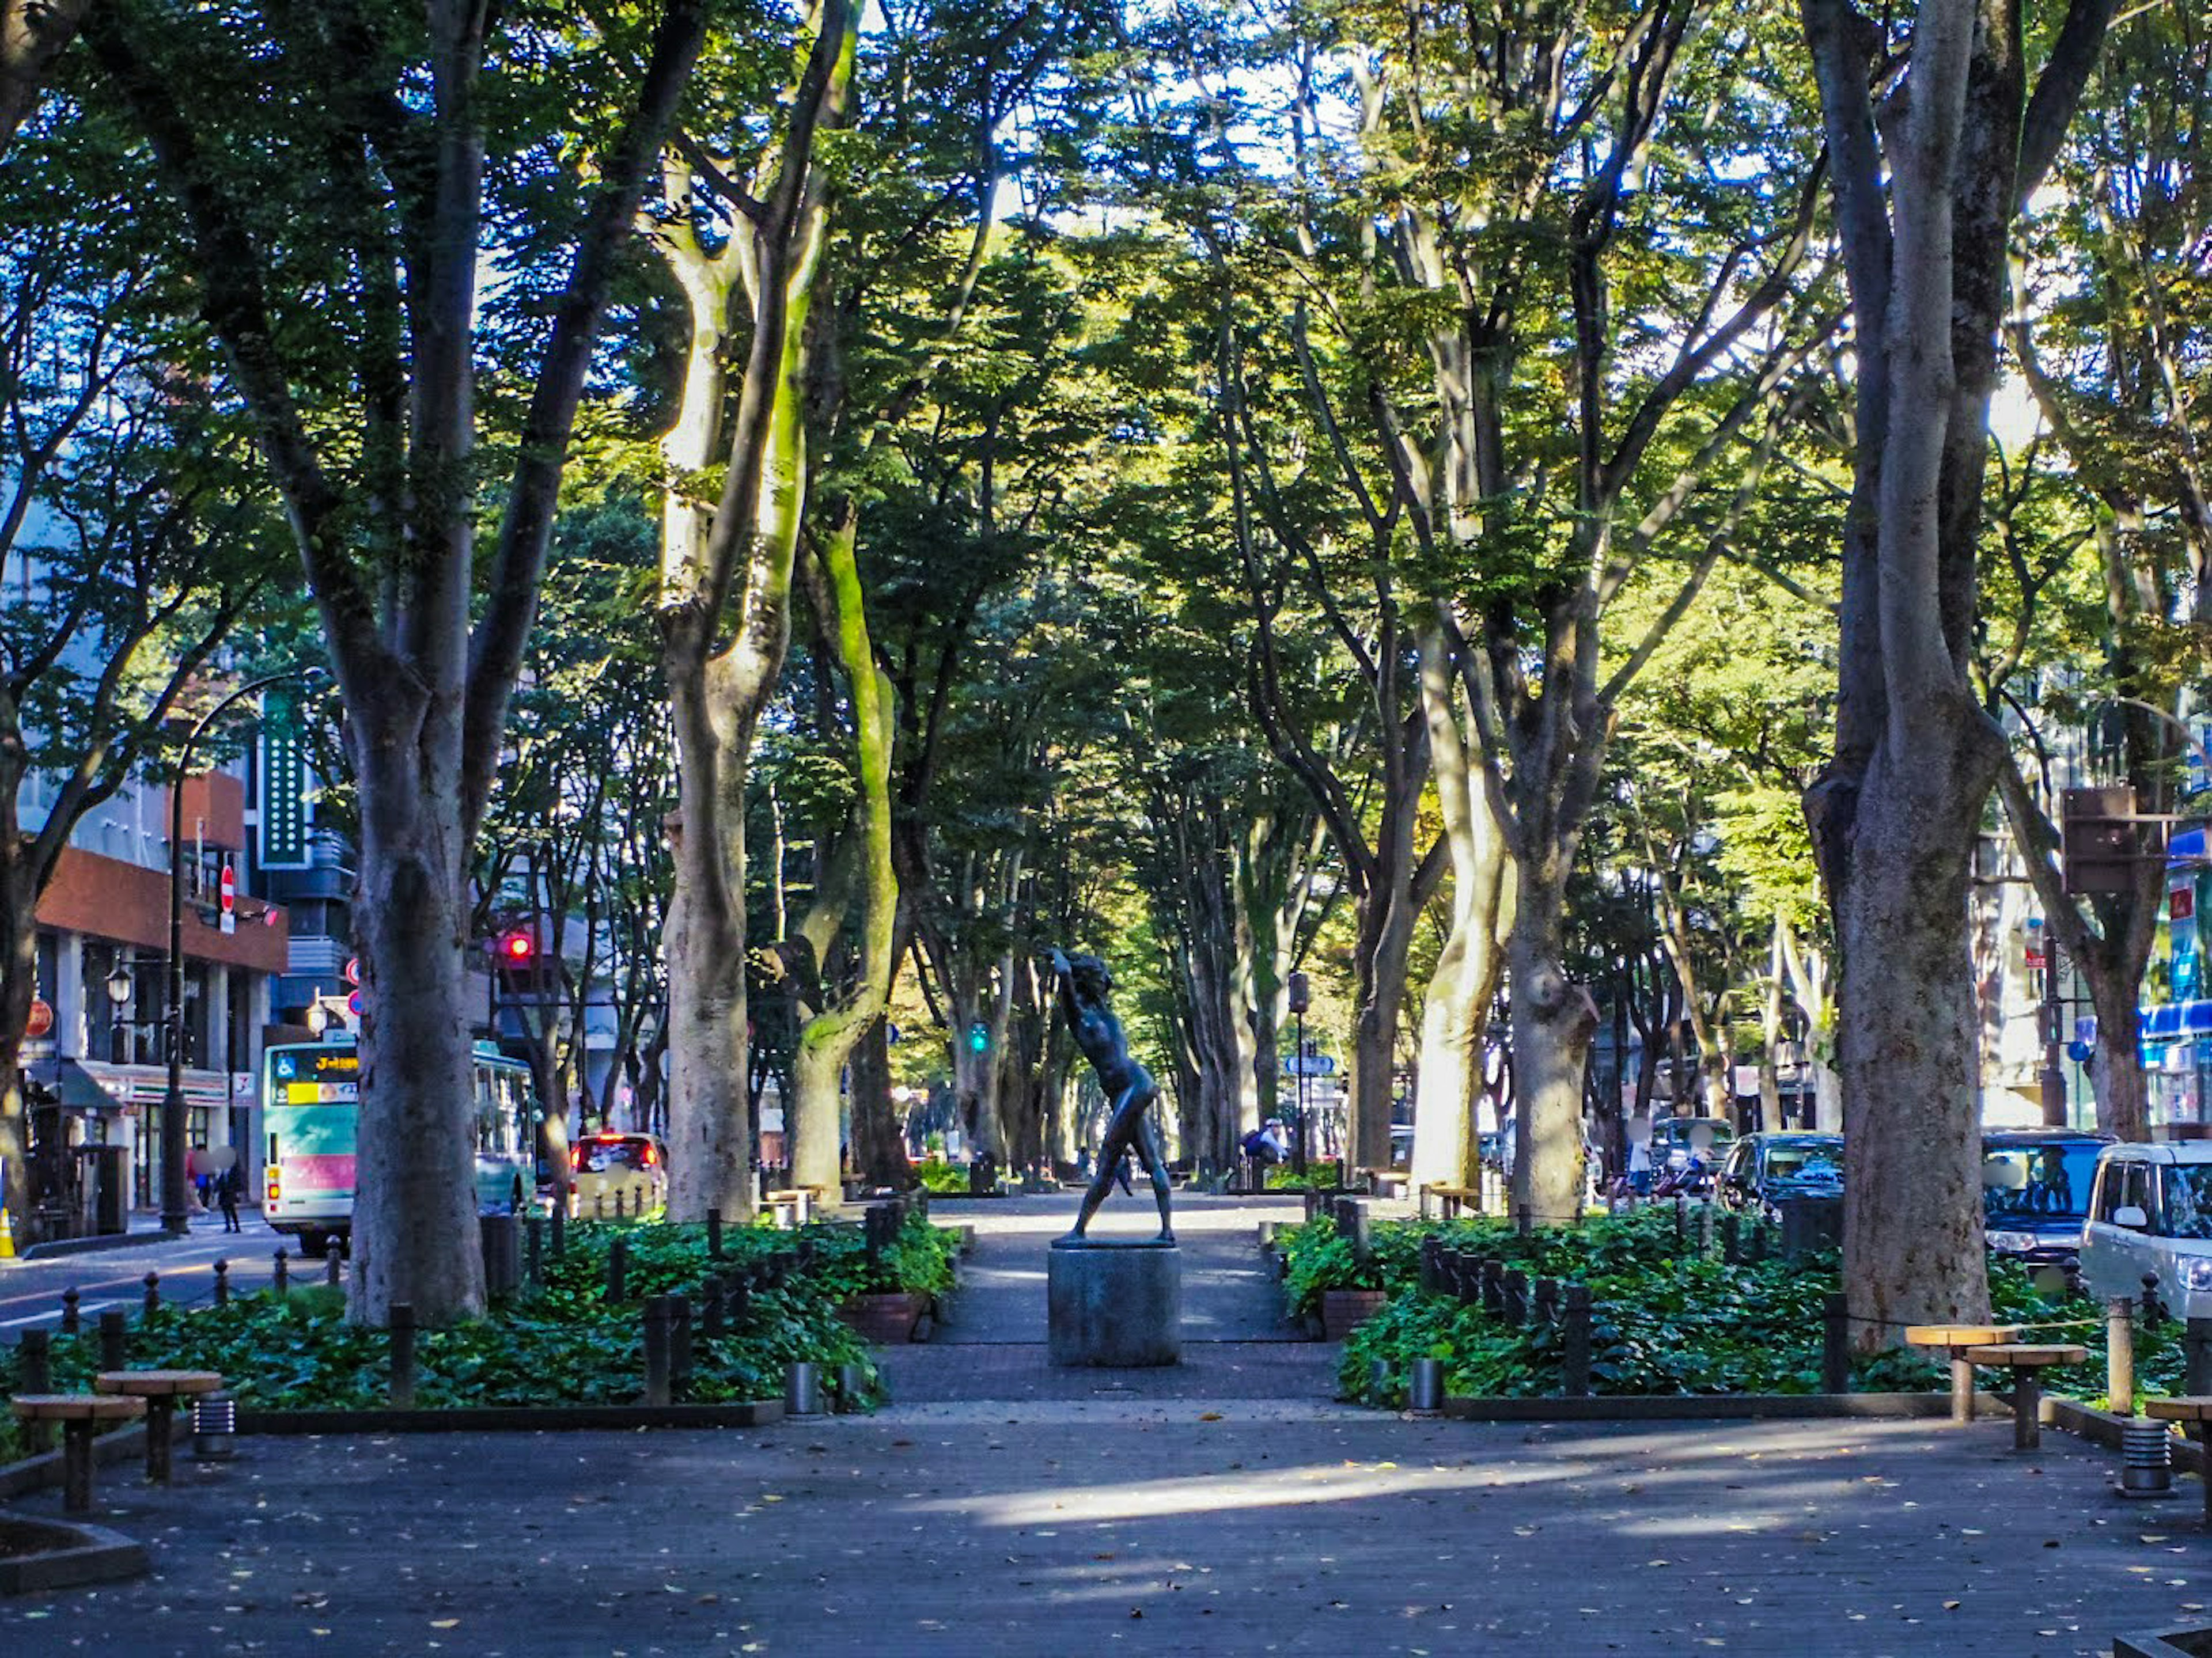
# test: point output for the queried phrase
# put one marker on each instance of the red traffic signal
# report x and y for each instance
(517, 947)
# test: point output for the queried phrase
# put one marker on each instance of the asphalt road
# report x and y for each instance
(31, 1291)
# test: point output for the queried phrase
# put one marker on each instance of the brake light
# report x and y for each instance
(650, 1157)
(576, 1157)
(275, 1186)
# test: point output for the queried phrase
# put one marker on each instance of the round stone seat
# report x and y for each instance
(80, 1414)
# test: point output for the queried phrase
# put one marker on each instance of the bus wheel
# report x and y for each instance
(316, 1244)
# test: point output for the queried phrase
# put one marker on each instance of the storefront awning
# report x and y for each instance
(80, 1090)
(2175, 1021)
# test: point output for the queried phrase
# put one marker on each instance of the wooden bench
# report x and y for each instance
(2025, 1360)
(1953, 1341)
(159, 1390)
(1450, 1197)
(80, 1415)
(2193, 1413)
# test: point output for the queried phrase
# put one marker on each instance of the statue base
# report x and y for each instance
(1116, 1303)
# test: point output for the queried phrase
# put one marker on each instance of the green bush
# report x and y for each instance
(938, 1176)
(563, 1344)
(1665, 1317)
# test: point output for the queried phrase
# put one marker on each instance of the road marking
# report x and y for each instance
(40, 1318)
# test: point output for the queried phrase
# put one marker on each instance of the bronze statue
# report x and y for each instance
(1130, 1090)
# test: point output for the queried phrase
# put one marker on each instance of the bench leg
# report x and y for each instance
(76, 1467)
(160, 1417)
(2026, 1410)
(1962, 1390)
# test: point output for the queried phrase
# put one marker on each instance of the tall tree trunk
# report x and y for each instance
(745, 554)
(1553, 1021)
(1456, 1016)
(19, 980)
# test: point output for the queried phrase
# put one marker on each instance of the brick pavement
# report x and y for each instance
(1116, 1519)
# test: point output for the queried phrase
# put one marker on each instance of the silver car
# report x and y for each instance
(2151, 1217)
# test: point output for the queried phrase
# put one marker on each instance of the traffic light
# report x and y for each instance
(517, 948)
(2102, 841)
(979, 1037)
(519, 964)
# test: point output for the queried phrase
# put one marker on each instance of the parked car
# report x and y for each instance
(1673, 1140)
(2151, 1215)
(1763, 1169)
(604, 1165)
(2035, 1191)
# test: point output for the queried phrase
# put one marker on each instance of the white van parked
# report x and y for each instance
(2151, 1215)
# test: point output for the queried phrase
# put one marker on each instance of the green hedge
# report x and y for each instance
(563, 1343)
(1666, 1318)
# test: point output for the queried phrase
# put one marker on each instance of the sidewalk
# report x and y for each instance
(1163, 1513)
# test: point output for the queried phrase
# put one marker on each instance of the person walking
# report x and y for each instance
(227, 1191)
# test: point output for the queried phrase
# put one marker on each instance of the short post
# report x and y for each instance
(2028, 1408)
(1836, 1343)
(534, 1245)
(1731, 1247)
(222, 1284)
(1754, 1242)
(2120, 1355)
(1523, 1222)
(658, 1318)
(71, 1323)
(1546, 1309)
(621, 1198)
(114, 1340)
(741, 1302)
(34, 1364)
(1494, 1288)
(713, 1235)
(2153, 1309)
(402, 1355)
(1575, 1343)
(153, 1281)
(599, 1205)
(559, 1229)
(711, 1316)
(1706, 1218)
(2197, 1356)
(280, 1274)
(1432, 1264)
(1515, 1286)
(331, 1263)
(679, 1344)
(1681, 1218)
(618, 1272)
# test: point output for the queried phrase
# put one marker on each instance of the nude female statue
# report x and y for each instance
(1130, 1090)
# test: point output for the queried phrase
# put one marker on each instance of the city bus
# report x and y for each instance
(310, 1103)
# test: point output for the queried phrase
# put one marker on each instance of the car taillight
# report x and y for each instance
(650, 1157)
(576, 1157)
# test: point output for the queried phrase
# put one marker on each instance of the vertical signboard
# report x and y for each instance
(283, 786)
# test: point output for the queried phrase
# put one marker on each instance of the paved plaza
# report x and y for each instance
(1034, 1513)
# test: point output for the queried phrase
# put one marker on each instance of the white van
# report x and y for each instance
(2151, 1214)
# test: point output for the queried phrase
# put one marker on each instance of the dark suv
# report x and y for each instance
(2035, 1191)
(1763, 1169)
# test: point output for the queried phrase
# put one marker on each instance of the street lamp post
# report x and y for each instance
(175, 1219)
(119, 992)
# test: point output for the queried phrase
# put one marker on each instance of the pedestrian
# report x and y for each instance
(1639, 1165)
(227, 1191)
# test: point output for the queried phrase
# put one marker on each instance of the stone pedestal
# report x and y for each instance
(1116, 1303)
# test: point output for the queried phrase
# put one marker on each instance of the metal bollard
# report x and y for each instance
(1575, 1343)
(658, 1320)
(114, 1340)
(1836, 1343)
(621, 1199)
(279, 1276)
(599, 1205)
(2154, 1309)
(403, 1356)
(713, 1235)
(802, 1389)
(2120, 1355)
(222, 1284)
(333, 1264)
(1425, 1392)
(618, 1271)
(2147, 1459)
(1379, 1380)
(852, 1387)
(71, 1323)
(215, 1428)
(153, 1281)
(534, 1247)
